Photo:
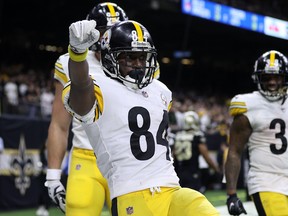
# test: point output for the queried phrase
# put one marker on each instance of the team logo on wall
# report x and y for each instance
(22, 164)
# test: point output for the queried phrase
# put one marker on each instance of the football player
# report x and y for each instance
(87, 189)
(125, 116)
(260, 122)
(189, 144)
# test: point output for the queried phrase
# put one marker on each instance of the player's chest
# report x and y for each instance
(139, 108)
(271, 117)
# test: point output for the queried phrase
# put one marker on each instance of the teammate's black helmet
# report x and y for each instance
(274, 63)
(106, 14)
(128, 36)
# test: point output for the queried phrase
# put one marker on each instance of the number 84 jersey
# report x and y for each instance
(129, 136)
(267, 145)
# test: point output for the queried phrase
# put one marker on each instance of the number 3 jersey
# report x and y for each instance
(128, 129)
(267, 145)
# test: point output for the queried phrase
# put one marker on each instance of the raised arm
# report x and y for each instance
(82, 35)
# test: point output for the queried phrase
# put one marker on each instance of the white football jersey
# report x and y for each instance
(61, 73)
(129, 135)
(267, 145)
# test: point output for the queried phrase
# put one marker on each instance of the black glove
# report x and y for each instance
(234, 205)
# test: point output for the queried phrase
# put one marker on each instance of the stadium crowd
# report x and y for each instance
(25, 93)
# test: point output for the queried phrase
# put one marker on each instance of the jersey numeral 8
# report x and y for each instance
(143, 130)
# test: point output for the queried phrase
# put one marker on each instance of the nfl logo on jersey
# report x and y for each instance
(129, 210)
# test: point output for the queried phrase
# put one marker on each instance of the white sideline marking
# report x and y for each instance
(249, 207)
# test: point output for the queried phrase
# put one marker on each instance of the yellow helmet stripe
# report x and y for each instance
(272, 58)
(112, 11)
(139, 31)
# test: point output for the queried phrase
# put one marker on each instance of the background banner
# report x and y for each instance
(20, 164)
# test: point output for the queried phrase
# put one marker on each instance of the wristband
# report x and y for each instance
(53, 174)
(77, 57)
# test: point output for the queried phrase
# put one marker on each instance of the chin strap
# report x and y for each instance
(138, 75)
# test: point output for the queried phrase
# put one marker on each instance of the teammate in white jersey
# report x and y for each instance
(125, 116)
(87, 189)
(260, 121)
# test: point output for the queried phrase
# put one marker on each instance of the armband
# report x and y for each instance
(77, 57)
(53, 174)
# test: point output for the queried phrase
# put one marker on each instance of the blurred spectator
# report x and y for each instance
(32, 100)
(23, 85)
(175, 116)
(46, 101)
(11, 96)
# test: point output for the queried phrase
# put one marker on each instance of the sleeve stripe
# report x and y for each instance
(238, 103)
(237, 108)
(92, 115)
(66, 89)
(99, 97)
(237, 111)
(60, 76)
(169, 106)
(59, 65)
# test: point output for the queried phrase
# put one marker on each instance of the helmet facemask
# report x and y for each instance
(272, 92)
(138, 76)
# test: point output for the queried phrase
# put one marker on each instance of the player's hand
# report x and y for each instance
(56, 190)
(82, 35)
(235, 205)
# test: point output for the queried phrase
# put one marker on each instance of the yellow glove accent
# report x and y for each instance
(77, 57)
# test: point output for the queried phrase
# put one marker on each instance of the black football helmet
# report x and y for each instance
(274, 63)
(105, 14)
(126, 37)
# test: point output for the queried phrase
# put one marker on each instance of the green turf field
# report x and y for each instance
(216, 197)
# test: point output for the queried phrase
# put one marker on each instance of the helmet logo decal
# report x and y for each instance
(105, 40)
